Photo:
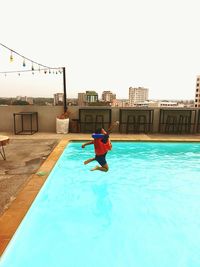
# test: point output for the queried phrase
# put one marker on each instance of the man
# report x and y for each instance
(101, 145)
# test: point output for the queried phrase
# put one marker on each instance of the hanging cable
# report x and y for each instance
(33, 63)
(25, 58)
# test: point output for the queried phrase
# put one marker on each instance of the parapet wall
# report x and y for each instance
(47, 116)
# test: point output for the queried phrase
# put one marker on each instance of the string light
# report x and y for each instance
(32, 68)
(24, 63)
(11, 57)
(25, 60)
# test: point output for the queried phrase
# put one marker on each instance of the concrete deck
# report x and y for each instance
(26, 156)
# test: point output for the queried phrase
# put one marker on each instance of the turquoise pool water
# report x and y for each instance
(145, 212)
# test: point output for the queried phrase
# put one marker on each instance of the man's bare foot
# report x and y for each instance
(88, 161)
(95, 168)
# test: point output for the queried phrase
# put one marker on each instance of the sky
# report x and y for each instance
(104, 45)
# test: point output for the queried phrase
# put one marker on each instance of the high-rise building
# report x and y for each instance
(197, 93)
(91, 96)
(58, 99)
(136, 95)
(108, 96)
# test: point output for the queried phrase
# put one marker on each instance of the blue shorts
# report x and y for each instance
(101, 159)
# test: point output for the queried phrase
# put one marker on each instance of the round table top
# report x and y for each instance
(4, 140)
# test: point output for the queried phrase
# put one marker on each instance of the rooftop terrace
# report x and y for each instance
(30, 158)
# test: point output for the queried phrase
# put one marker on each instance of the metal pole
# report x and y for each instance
(64, 89)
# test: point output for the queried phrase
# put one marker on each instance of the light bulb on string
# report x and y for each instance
(24, 63)
(45, 71)
(49, 71)
(11, 57)
(32, 66)
(19, 74)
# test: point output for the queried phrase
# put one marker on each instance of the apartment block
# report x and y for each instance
(91, 96)
(108, 96)
(58, 99)
(137, 95)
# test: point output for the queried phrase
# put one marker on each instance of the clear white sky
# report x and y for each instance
(104, 45)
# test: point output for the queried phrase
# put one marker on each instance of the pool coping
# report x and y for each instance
(12, 217)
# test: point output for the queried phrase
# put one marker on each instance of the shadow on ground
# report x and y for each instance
(24, 157)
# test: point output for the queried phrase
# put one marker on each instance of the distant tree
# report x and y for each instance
(4, 101)
(42, 101)
(20, 102)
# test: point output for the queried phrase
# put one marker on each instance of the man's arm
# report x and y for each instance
(106, 134)
(87, 143)
(110, 128)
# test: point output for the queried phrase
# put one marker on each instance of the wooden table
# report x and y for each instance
(4, 140)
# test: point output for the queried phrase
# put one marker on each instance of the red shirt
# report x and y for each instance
(101, 148)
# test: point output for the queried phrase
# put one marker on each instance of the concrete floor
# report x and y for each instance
(29, 154)
(24, 157)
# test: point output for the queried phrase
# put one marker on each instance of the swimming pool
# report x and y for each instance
(144, 212)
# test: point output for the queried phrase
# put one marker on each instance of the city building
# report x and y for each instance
(138, 94)
(108, 96)
(91, 96)
(58, 99)
(72, 102)
(26, 99)
(187, 103)
(29, 100)
(81, 99)
(197, 93)
(21, 98)
(164, 104)
(121, 103)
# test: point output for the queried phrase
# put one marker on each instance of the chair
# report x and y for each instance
(99, 121)
(183, 124)
(4, 140)
(75, 126)
(141, 122)
(130, 124)
(198, 122)
(88, 123)
(171, 124)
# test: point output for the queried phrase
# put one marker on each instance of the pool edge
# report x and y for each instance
(12, 217)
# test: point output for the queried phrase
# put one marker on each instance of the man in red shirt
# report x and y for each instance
(101, 146)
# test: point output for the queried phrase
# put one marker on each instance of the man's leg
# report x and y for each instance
(103, 168)
(88, 161)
